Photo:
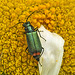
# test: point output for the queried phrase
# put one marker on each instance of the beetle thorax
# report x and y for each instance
(28, 27)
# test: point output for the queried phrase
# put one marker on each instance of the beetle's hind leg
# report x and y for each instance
(41, 55)
(26, 49)
(40, 63)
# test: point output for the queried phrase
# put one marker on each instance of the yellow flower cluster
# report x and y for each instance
(56, 15)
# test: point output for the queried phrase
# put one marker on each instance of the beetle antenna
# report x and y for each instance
(29, 16)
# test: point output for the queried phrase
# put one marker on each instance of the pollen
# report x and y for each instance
(5, 8)
(13, 15)
(18, 11)
(36, 8)
(22, 17)
(0, 13)
(47, 21)
(46, 11)
(49, 15)
(34, 21)
(52, 10)
(59, 17)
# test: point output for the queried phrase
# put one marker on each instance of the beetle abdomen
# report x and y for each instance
(33, 41)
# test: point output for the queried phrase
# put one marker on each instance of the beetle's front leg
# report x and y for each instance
(40, 35)
(36, 29)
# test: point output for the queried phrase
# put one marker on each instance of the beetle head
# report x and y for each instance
(26, 24)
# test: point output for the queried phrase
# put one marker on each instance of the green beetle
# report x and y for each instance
(33, 41)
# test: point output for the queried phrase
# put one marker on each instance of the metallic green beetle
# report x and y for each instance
(33, 41)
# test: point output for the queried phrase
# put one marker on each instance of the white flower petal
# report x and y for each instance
(51, 59)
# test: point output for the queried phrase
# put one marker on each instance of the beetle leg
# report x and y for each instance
(24, 32)
(40, 35)
(40, 63)
(26, 49)
(41, 55)
(42, 51)
(27, 52)
(36, 29)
